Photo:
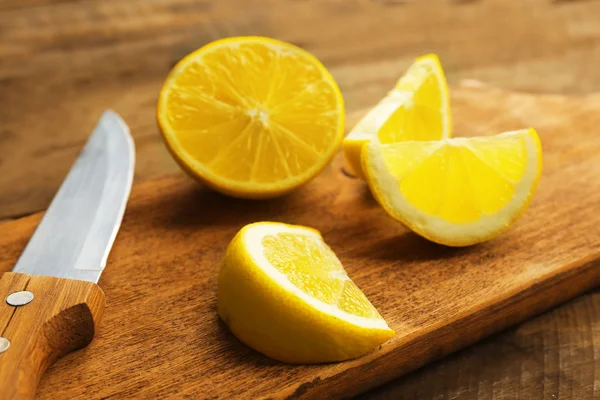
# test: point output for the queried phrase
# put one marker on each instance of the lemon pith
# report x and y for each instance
(458, 191)
(251, 116)
(283, 292)
(417, 108)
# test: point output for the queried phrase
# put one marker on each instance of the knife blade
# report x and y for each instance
(75, 236)
(51, 304)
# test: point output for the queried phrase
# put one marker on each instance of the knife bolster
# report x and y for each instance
(63, 316)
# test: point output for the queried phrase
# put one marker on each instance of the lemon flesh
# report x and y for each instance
(417, 108)
(457, 191)
(250, 116)
(283, 292)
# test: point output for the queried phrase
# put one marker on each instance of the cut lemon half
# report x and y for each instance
(283, 292)
(250, 116)
(457, 191)
(417, 108)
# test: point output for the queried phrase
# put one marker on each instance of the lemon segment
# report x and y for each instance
(417, 108)
(251, 117)
(457, 191)
(283, 292)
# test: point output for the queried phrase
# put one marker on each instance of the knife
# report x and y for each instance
(50, 304)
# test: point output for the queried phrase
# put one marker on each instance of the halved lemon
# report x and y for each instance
(457, 191)
(417, 108)
(250, 116)
(283, 292)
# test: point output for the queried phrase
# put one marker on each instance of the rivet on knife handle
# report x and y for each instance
(20, 298)
(64, 318)
(4, 344)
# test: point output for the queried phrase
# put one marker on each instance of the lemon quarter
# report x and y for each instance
(283, 292)
(417, 108)
(457, 191)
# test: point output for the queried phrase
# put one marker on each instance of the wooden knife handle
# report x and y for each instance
(63, 316)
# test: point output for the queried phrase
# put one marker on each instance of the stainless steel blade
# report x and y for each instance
(76, 234)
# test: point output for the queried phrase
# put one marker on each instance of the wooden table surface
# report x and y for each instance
(63, 61)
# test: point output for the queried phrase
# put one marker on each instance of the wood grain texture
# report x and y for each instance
(161, 277)
(554, 356)
(62, 62)
(62, 317)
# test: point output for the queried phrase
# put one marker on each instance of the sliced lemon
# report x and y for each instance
(457, 191)
(250, 116)
(283, 292)
(417, 108)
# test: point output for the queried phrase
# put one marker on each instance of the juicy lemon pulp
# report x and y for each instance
(456, 191)
(250, 116)
(417, 108)
(313, 268)
(283, 292)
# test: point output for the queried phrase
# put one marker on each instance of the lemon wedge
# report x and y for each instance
(251, 117)
(417, 108)
(283, 292)
(457, 191)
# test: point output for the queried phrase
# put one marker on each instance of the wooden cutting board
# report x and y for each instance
(161, 336)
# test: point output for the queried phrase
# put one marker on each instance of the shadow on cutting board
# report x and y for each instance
(409, 246)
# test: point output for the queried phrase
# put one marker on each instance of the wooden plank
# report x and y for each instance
(161, 336)
(63, 63)
(554, 356)
(12, 4)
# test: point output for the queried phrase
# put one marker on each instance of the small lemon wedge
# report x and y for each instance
(417, 108)
(283, 292)
(457, 191)
(251, 117)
